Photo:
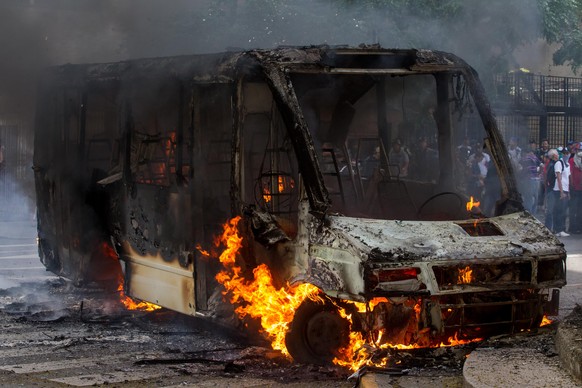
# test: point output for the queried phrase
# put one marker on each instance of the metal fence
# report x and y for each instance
(532, 106)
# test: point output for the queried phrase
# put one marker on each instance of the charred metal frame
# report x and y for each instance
(338, 254)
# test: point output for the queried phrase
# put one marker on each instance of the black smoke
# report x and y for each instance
(38, 33)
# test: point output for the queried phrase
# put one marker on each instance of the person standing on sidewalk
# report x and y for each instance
(530, 179)
(557, 195)
(544, 148)
(563, 213)
(576, 191)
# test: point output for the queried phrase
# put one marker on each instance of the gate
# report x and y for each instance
(532, 106)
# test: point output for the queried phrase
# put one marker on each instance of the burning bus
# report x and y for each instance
(342, 169)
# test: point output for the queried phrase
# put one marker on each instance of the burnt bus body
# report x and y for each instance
(152, 156)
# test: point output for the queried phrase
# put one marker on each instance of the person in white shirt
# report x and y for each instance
(478, 165)
(514, 154)
(557, 201)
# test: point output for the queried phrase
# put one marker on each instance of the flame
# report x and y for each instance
(284, 184)
(455, 341)
(275, 307)
(107, 251)
(266, 194)
(465, 275)
(202, 251)
(258, 297)
(546, 321)
(130, 304)
(472, 203)
(360, 350)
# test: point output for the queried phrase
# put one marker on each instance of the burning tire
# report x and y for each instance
(317, 333)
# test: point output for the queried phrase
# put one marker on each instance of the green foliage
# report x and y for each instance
(561, 22)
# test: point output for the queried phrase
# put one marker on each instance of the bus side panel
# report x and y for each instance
(44, 185)
(179, 192)
(212, 129)
(159, 267)
(66, 233)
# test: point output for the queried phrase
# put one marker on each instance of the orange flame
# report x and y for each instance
(546, 321)
(107, 251)
(465, 275)
(472, 203)
(266, 195)
(130, 304)
(360, 350)
(275, 308)
(259, 298)
(203, 252)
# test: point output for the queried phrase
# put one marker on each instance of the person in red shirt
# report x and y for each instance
(576, 190)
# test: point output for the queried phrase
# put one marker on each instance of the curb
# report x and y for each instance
(372, 381)
(569, 343)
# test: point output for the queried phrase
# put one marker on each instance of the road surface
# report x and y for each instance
(56, 335)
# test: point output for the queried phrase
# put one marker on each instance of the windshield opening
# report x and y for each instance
(408, 147)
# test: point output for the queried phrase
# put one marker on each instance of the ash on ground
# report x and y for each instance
(55, 315)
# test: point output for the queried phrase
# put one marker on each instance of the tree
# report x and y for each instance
(561, 23)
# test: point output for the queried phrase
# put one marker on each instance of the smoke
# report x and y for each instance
(39, 33)
(36, 33)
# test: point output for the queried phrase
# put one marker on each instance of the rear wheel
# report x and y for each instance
(317, 333)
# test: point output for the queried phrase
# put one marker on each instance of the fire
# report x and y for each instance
(359, 352)
(472, 203)
(546, 321)
(258, 297)
(275, 307)
(203, 252)
(465, 275)
(107, 251)
(272, 188)
(266, 195)
(130, 304)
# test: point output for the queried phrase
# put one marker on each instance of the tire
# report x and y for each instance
(317, 333)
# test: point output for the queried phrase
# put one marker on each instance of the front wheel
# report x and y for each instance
(317, 333)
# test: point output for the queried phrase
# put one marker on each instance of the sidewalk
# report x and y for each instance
(550, 359)
(569, 343)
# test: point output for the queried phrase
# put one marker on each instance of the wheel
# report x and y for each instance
(317, 333)
(447, 210)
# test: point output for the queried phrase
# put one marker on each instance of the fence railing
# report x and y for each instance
(534, 91)
(533, 106)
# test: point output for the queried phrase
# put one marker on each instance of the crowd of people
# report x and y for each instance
(550, 181)
(420, 162)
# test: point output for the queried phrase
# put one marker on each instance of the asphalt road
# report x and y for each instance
(54, 335)
(19, 262)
